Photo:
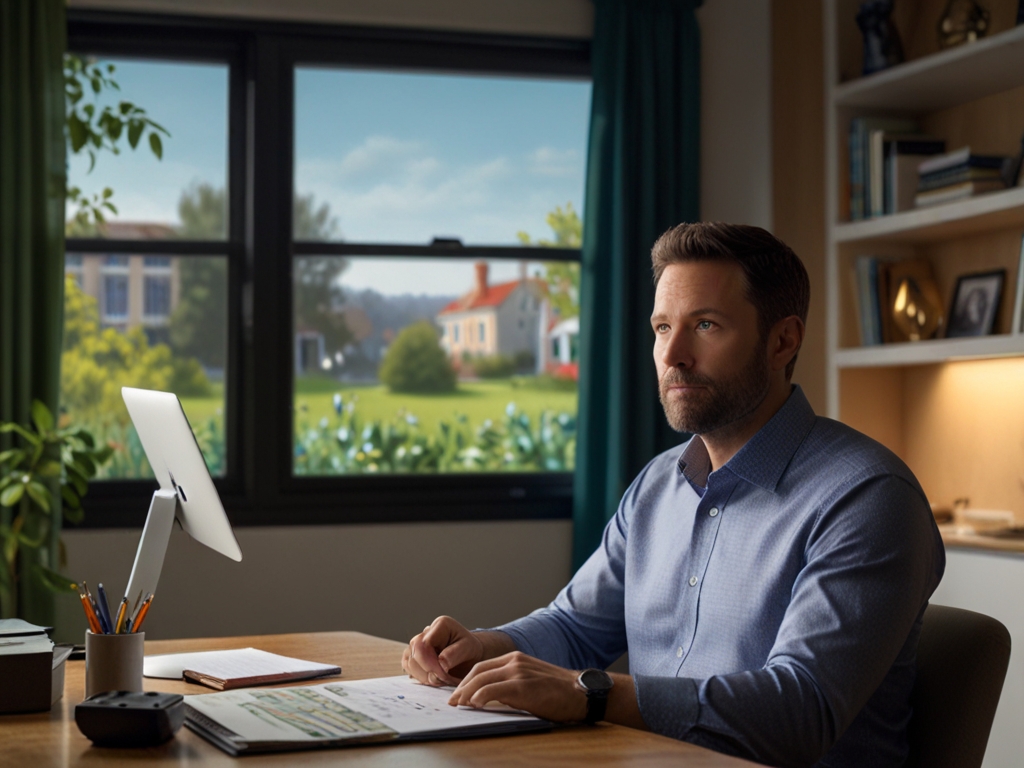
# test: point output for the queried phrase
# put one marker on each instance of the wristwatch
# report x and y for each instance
(596, 684)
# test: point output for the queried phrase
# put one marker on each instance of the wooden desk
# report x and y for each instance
(53, 739)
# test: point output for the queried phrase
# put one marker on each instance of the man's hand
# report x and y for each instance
(523, 682)
(445, 651)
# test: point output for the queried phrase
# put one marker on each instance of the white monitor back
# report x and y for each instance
(179, 467)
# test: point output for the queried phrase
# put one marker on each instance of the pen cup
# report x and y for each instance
(113, 662)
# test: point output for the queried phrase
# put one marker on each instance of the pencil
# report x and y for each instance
(142, 613)
(119, 623)
(90, 614)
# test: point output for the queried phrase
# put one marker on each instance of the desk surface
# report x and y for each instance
(53, 739)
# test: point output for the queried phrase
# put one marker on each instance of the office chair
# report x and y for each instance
(961, 662)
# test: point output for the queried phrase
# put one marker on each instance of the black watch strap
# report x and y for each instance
(597, 684)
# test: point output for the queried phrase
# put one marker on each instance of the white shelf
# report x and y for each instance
(954, 76)
(983, 213)
(935, 351)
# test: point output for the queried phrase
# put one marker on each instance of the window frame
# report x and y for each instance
(259, 487)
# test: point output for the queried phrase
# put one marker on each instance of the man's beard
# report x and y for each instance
(720, 403)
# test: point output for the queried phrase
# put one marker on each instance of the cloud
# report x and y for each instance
(548, 161)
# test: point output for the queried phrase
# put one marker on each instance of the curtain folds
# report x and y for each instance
(642, 178)
(33, 38)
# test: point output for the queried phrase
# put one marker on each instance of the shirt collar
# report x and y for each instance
(766, 455)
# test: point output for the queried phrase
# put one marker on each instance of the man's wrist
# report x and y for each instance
(494, 643)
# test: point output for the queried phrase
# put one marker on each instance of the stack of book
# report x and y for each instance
(957, 175)
(875, 283)
(884, 155)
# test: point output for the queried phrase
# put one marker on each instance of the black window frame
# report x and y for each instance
(259, 487)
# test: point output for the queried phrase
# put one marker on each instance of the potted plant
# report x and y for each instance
(42, 482)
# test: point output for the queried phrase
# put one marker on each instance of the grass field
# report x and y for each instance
(477, 401)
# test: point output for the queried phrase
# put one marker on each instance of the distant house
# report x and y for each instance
(563, 350)
(502, 319)
(130, 290)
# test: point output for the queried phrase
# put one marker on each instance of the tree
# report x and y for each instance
(416, 363)
(199, 321)
(92, 130)
(563, 278)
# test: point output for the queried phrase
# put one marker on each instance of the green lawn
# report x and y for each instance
(477, 401)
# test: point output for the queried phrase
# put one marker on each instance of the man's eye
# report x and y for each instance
(705, 325)
(661, 328)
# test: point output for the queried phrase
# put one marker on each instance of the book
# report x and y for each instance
(866, 274)
(858, 141)
(956, 175)
(902, 158)
(388, 709)
(240, 668)
(957, 157)
(883, 144)
(956, 192)
(31, 667)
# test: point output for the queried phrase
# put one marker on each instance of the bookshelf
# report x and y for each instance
(953, 409)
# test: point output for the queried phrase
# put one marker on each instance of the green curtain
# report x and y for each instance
(642, 178)
(33, 37)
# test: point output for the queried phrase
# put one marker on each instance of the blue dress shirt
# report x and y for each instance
(771, 608)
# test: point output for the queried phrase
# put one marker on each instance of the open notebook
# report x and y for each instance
(240, 668)
(388, 709)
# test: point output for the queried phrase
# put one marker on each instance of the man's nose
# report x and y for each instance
(677, 351)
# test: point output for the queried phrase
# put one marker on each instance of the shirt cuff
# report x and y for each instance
(669, 705)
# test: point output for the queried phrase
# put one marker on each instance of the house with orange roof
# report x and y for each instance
(502, 319)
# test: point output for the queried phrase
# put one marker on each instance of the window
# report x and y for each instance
(376, 173)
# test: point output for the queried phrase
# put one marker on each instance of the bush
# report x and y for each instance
(416, 363)
(494, 366)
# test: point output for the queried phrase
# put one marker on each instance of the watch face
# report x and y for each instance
(595, 680)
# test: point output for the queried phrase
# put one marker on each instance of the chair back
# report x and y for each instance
(961, 662)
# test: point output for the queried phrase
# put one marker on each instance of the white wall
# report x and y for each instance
(736, 92)
(390, 580)
(992, 584)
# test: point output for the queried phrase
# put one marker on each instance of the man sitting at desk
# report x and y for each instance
(768, 577)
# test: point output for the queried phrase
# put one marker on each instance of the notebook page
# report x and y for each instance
(227, 665)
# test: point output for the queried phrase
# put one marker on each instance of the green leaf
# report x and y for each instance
(74, 514)
(53, 580)
(83, 459)
(12, 457)
(92, 161)
(156, 145)
(107, 192)
(135, 128)
(71, 499)
(41, 416)
(77, 132)
(49, 469)
(12, 427)
(85, 436)
(40, 494)
(81, 486)
(12, 494)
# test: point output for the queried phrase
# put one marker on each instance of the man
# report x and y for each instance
(768, 578)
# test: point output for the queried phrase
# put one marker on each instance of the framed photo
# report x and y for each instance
(975, 304)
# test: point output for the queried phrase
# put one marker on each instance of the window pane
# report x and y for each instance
(404, 158)
(433, 365)
(181, 193)
(133, 321)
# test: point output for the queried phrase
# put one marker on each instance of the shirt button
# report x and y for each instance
(693, 581)
(714, 512)
(679, 652)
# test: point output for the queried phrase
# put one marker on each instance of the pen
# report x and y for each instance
(104, 608)
(90, 614)
(119, 624)
(143, 610)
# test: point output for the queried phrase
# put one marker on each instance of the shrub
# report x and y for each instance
(416, 363)
(494, 366)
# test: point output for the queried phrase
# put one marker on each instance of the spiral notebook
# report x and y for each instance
(241, 668)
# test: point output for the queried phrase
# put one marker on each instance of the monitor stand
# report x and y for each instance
(149, 559)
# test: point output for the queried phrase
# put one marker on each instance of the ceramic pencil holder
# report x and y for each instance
(113, 662)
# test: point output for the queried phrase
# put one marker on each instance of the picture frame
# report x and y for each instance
(1018, 303)
(975, 304)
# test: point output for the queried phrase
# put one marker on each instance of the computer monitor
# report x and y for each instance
(186, 492)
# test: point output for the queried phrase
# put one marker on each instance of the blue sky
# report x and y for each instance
(398, 157)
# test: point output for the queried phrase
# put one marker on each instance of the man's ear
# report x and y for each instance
(784, 342)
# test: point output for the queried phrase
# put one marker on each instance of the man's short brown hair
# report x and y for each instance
(777, 282)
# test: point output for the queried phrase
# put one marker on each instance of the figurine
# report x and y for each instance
(882, 45)
(963, 22)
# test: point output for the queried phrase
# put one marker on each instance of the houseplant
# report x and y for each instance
(42, 482)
